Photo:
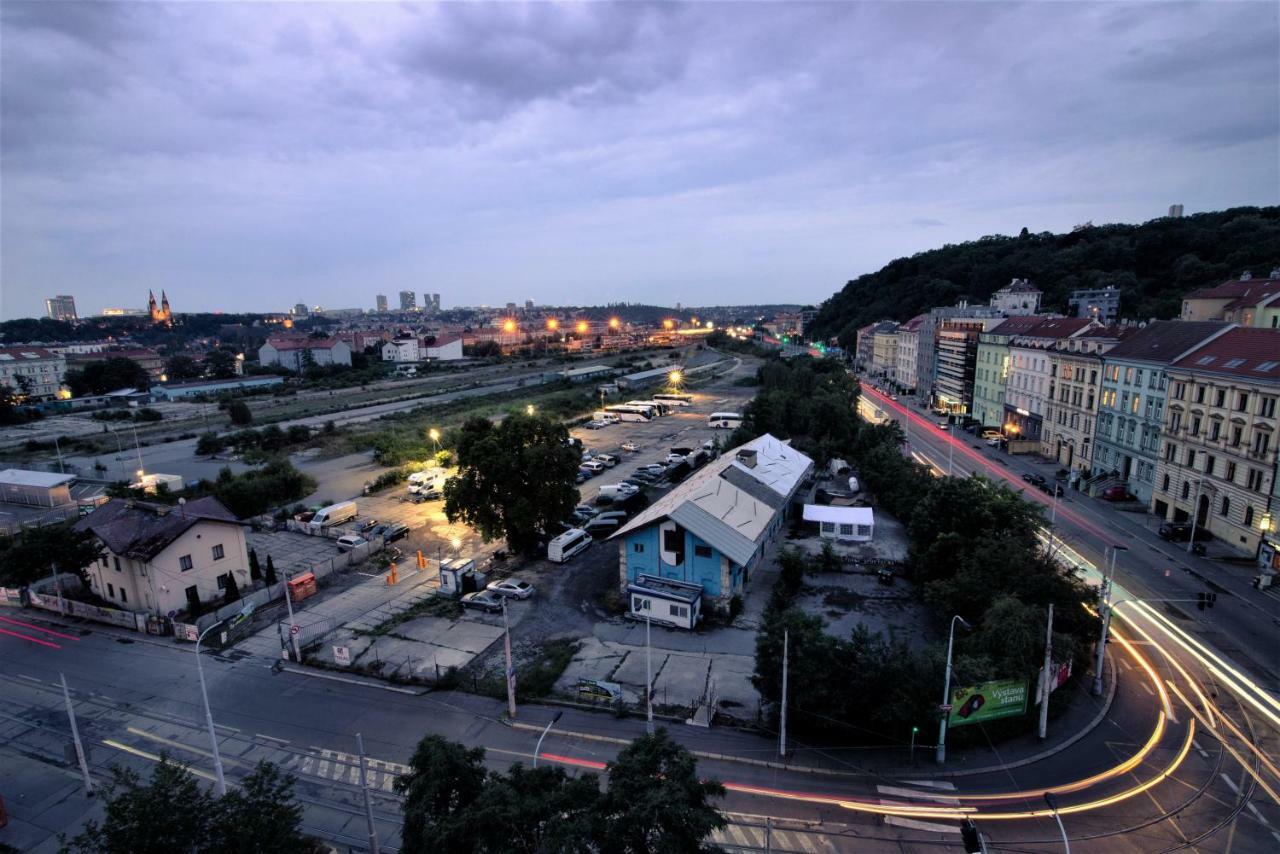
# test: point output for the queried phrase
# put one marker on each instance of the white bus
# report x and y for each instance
(674, 399)
(724, 420)
(658, 407)
(630, 413)
(568, 544)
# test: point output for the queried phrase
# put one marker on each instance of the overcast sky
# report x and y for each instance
(246, 156)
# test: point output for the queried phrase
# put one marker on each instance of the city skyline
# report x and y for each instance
(598, 153)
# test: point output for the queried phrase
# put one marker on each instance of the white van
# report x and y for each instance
(593, 466)
(606, 417)
(618, 490)
(426, 482)
(568, 544)
(608, 459)
(334, 514)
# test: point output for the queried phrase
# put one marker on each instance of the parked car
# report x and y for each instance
(581, 477)
(511, 587)
(483, 600)
(595, 425)
(587, 509)
(394, 531)
(367, 524)
(942, 425)
(594, 466)
(995, 441)
(674, 459)
(654, 469)
(609, 460)
(1116, 493)
(350, 541)
(630, 446)
(1052, 487)
(601, 527)
(1034, 478)
(1180, 532)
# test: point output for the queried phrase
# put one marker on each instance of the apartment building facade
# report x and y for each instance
(1071, 410)
(1131, 400)
(991, 369)
(907, 365)
(1030, 373)
(1219, 450)
(38, 369)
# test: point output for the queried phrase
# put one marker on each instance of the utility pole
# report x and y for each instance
(786, 643)
(208, 715)
(1105, 613)
(58, 450)
(368, 804)
(75, 736)
(293, 636)
(1044, 679)
(648, 677)
(941, 754)
(138, 447)
(511, 669)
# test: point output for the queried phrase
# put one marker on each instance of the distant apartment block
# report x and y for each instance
(41, 370)
(300, 310)
(381, 302)
(61, 307)
(1175, 211)
(906, 366)
(147, 359)
(431, 303)
(408, 301)
(1019, 298)
(297, 353)
(1100, 304)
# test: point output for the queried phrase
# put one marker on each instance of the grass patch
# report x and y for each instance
(537, 677)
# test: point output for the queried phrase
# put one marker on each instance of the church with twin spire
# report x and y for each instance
(159, 313)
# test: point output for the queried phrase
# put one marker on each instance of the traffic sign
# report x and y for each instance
(293, 630)
(946, 707)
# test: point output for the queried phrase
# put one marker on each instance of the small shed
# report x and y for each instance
(665, 601)
(855, 524)
(35, 488)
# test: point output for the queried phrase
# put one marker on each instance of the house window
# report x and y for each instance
(846, 529)
(828, 527)
(1191, 458)
(702, 551)
(1261, 442)
(672, 541)
(864, 530)
(117, 560)
(184, 563)
(111, 590)
(1267, 409)
(1255, 480)
(638, 548)
(1164, 484)
(218, 553)
(124, 595)
(1220, 398)
(678, 611)
(224, 580)
(1248, 516)
(1226, 507)
(1208, 464)
(1186, 489)
(1231, 471)
(639, 604)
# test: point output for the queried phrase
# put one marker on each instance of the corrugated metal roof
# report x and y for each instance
(847, 515)
(738, 476)
(24, 477)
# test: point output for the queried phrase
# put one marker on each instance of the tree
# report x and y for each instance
(221, 364)
(445, 779)
(239, 413)
(260, 817)
(171, 812)
(179, 368)
(174, 812)
(258, 490)
(534, 810)
(209, 444)
(107, 375)
(31, 554)
(656, 802)
(255, 570)
(232, 591)
(270, 575)
(515, 479)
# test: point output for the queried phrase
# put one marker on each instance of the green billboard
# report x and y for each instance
(988, 701)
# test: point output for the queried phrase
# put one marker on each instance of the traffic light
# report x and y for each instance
(1210, 599)
(970, 836)
(1200, 600)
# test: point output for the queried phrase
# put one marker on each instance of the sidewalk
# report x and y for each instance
(751, 748)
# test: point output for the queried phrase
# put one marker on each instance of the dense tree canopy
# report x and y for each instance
(812, 402)
(33, 553)
(107, 375)
(1155, 263)
(515, 479)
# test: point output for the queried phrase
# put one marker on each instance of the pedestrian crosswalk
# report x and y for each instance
(900, 795)
(342, 767)
(758, 837)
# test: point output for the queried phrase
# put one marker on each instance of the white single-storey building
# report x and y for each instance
(401, 350)
(856, 524)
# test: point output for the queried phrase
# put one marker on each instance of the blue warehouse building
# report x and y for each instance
(710, 531)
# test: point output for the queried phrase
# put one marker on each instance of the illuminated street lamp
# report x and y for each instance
(675, 377)
(457, 544)
(529, 410)
(614, 323)
(668, 324)
(508, 326)
(434, 435)
(552, 324)
(581, 327)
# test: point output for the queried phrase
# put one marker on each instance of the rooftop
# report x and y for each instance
(303, 343)
(1166, 340)
(141, 530)
(729, 503)
(1240, 352)
(1235, 289)
(24, 477)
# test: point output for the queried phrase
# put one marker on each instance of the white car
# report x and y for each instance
(630, 446)
(350, 541)
(511, 587)
(654, 468)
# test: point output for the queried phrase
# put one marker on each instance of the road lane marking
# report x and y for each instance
(1259, 816)
(932, 784)
(30, 678)
(913, 794)
(913, 824)
(1147, 688)
(1232, 786)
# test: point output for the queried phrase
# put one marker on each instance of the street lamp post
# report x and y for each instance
(941, 756)
(1105, 610)
(537, 751)
(208, 715)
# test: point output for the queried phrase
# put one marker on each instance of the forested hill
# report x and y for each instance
(1154, 264)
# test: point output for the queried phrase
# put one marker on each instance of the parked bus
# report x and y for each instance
(724, 420)
(675, 399)
(630, 413)
(568, 544)
(658, 407)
